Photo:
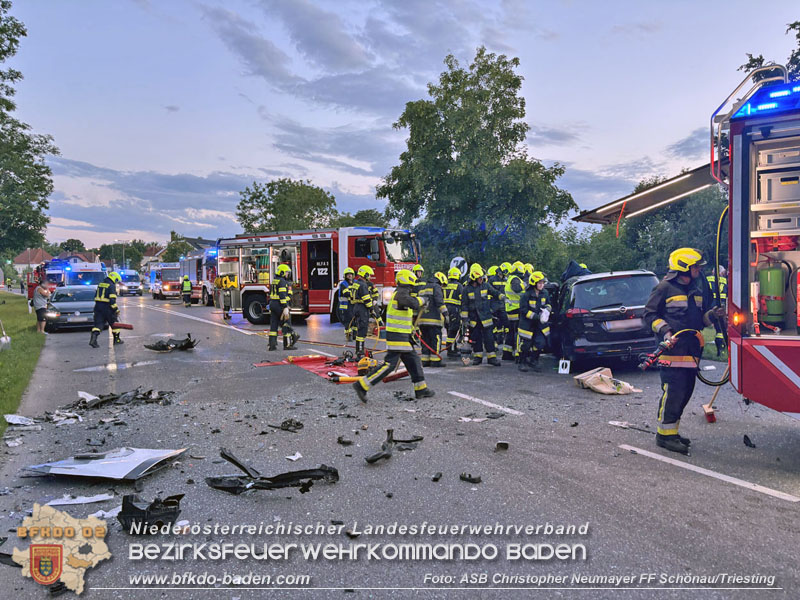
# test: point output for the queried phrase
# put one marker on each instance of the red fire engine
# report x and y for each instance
(63, 272)
(317, 258)
(755, 154)
(201, 267)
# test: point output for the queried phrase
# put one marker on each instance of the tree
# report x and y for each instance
(465, 170)
(25, 179)
(176, 248)
(285, 204)
(72, 245)
(792, 64)
(368, 217)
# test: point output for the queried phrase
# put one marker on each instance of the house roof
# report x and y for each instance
(32, 256)
(152, 250)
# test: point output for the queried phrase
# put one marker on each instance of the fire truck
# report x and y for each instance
(755, 154)
(317, 258)
(201, 267)
(63, 272)
(165, 281)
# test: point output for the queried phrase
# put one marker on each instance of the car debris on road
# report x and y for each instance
(135, 511)
(124, 463)
(171, 344)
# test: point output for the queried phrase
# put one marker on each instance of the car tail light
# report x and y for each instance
(577, 312)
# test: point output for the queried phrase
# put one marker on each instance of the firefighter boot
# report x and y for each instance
(289, 340)
(476, 360)
(360, 391)
(523, 367)
(684, 440)
(117, 339)
(273, 343)
(494, 362)
(424, 393)
(671, 443)
(359, 349)
(93, 342)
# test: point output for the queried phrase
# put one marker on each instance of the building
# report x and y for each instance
(30, 259)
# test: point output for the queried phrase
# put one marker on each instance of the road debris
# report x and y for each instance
(137, 396)
(748, 442)
(602, 381)
(252, 479)
(63, 417)
(13, 442)
(469, 478)
(68, 499)
(626, 425)
(124, 463)
(501, 446)
(158, 512)
(173, 344)
(294, 457)
(390, 444)
(495, 415)
(343, 441)
(19, 420)
(5, 557)
(292, 425)
(436, 476)
(107, 514)
(472, 420)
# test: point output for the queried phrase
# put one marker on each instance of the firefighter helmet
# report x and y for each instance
(492, 270)
(186, 278)
(418, 270)
(684, 258)
(505, 267)
(365, 271)
(283, 270)
(518, 267)
(405, 277)
(440, 277)
(115, 277)
(536, 277)
(475, 273)
(349, 271)
(528, 267)
(454, 273)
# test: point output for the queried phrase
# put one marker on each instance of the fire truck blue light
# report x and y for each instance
(767, 106)
(779, 94)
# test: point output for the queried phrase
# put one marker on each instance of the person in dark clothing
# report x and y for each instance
(361, 300)
(514, 288)
(432, 319)
(677, 311)
(399, 328)
(279, 297)
(476, 311)
(497, 279)
(186, 290)
(452, 300)
(106, 311)
(345, 310)
(722, 296)
(534, 313)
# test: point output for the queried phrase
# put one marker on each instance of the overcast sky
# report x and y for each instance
(164, 109)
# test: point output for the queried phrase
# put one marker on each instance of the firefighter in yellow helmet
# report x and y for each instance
(106, 311)
(432, 319)
(419, 273)
(678, 304)
(497, 279)
(452, 300)
(279, 297)
(721, 294)
(399, 329)
(476, 311)
(534, 322)
(515, 287)
(345, 310)
(361, 299)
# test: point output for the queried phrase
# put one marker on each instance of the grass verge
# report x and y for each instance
(710, 349)
(18, 361)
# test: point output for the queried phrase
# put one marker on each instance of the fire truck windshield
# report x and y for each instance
(400, 249)
(85, 277)
(170, 274)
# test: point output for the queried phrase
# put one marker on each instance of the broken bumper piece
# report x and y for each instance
(252, 479)
(137, 514)
(121, 463)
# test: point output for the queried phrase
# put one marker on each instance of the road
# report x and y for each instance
(565, 466)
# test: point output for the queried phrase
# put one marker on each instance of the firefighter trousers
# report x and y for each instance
(361, 325)
(510, 349)
(531, 339)
(500, 318)
(432, 336)
(275, 312)
(411, 362)
(481, 335)
(454, 316)
(104, 315)
(677, 385)
(346, 318)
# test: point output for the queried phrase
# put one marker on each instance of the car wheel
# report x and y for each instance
(50, 328)
(154, 295)
(564, 352)
(256, 310)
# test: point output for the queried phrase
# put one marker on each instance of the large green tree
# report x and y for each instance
(72, 245)
(25, 179)
(465, 171)
(792, 63)
(285, 204)
(367, 217)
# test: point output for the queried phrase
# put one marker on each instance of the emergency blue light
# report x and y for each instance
(68, 269)
(771, 99)
(780, 94)
(213, 252)
(767, 106)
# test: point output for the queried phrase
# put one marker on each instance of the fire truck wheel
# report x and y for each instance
(255, 310)
(204, 298)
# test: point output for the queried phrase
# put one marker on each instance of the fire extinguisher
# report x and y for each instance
(773, 284)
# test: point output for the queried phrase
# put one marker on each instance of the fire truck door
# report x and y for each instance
(320, 275)
(287, 255)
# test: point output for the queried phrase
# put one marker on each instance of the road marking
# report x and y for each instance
(324, 353)
(118, 366)
(714, 474)
(510, 411)
(214, 323)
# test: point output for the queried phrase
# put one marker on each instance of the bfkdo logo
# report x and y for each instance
(46, 562)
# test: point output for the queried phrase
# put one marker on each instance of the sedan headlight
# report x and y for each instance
(51, 314)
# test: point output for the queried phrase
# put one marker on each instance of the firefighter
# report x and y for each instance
(452, 300)
(279, 296)
(475, 310)
(497, 279)
(534, 313)
(186, 290)
(419, 273)
(514, 288)
(432, 319)
(675, 305)
(106, 311)
(722, 295)
(345, 311)
(362, 306)
(399, 328)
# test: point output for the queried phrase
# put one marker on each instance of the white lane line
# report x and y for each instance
(215, 324)
(714, 474)
(510, 411)
(323, 353)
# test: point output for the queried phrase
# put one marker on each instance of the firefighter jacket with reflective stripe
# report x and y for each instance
(531, 304)
(452, 292)
(187, 286)
(498, 283)
(475, 303)
(674, 306)
(360, 292)
(436, 308)
(344, 294)
(514, 289)
(279, 290)
(400, 319)
(723, 288)
(106, 294)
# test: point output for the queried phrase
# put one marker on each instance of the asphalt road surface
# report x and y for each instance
(648, 519)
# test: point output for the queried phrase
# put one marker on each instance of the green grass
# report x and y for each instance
(18, 361)
(710, 349)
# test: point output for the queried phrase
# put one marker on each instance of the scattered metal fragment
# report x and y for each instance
(173, 344)
(56, 589)
(5, 557)
(13, 442)
(100, 442)
(137, 396)
(236, 484)
(107, 514)
(436, 476)
(748, 442)
(390, 444)
(158, 512)
(471, 420)
(351, 534)
(120, 463)
(501, 446)
(495, 415)
(626, 425)
(294, 457)
(343, 441)
(68, 499)
(19, 420)
(20, 428)
(574, 424)
(292, 425)
(469, 478)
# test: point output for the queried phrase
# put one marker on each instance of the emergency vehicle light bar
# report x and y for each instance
(771, 99)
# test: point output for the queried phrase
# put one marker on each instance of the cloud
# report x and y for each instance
(594, 188)
(171, 108)
(693, 145)
(633, 170)
(347, 201)
(320, 36)
(541, 135)
(638, 28)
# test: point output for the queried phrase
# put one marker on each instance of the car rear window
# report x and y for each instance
(86, 295)
(627, 290)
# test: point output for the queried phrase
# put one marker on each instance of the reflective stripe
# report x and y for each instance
(524, 333)
(545, 330)
(676, 298)
(658, 324)
(512, 297)
(487, 322)
(420, 385)
(663, 402)
(684, 362)
(668, 429)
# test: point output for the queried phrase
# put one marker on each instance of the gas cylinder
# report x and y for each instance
(772, 282)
